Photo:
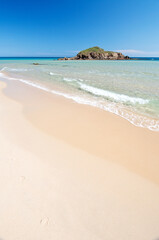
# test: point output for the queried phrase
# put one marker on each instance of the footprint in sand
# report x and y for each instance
(22, 179)
(44, 221)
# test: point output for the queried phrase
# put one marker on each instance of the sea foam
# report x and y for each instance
(111, 95)
(54, 74)
(135, 119)
(15, 69)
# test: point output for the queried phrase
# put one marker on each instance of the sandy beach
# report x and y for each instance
(71, 171)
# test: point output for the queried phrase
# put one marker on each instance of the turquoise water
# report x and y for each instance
(129, 89)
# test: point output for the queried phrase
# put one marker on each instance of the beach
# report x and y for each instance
(74, 171)
(79, 120)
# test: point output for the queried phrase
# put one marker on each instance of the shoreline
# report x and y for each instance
(69, 171)
(127, 114)
(98, 132)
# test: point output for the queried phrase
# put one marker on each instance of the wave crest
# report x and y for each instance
(15, 69)
(111, 95)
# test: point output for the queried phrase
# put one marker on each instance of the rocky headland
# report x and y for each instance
(97, 53)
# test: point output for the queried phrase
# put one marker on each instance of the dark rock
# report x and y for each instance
(127, 57)
(36, 64)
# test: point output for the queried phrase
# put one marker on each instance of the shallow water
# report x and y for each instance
(129, 89)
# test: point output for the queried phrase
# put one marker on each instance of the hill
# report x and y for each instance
(97, 53)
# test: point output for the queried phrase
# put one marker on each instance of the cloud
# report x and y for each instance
(135, 53)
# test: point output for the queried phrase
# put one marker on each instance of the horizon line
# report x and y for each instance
(66, 56)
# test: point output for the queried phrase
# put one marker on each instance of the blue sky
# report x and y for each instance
(62, 28)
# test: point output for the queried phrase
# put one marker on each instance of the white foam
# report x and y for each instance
(111, 95)
(52, 74)
(135, 119)
(70, 79)
(15, 69)
(3, 69)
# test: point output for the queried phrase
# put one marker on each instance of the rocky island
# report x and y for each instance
(97, 53)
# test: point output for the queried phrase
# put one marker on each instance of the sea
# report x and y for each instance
(127, 88)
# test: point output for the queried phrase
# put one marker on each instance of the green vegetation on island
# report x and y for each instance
(94, 49)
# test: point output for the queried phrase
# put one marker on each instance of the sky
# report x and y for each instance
(64, 27)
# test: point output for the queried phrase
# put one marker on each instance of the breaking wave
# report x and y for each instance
(54, 74)
(15, 69)
(137, 120)
(113, 96)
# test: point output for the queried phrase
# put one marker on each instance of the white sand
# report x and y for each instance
(65, 193)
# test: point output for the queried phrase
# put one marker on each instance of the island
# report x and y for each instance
(97, 53)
